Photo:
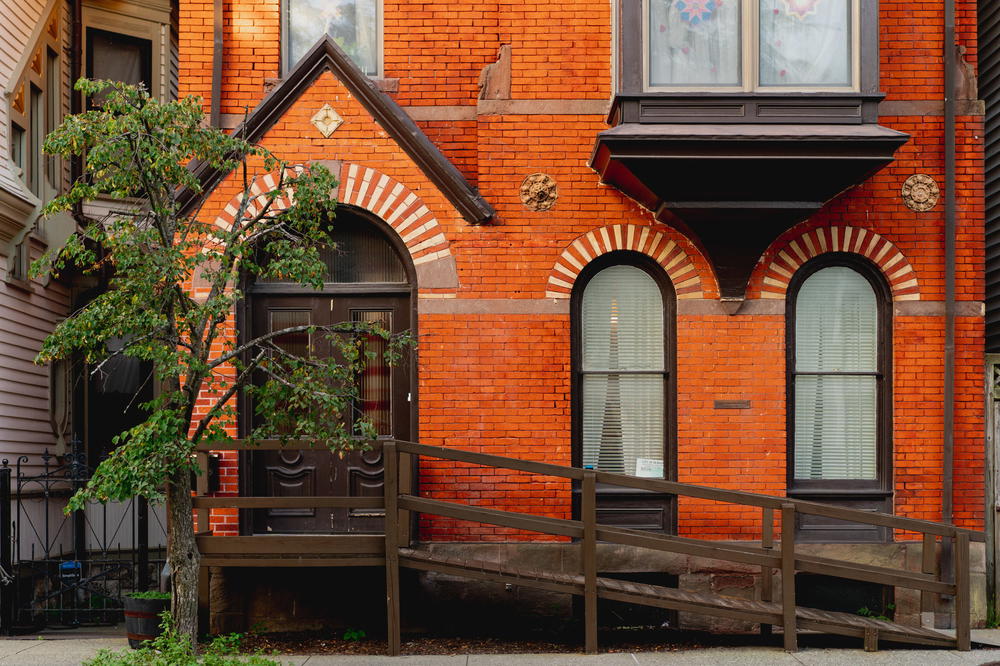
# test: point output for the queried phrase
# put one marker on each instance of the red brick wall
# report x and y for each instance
(500, 382)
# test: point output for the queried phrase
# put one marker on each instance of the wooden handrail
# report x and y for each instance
(788, 561)
(690, 490)
(265, 445)
(399, 501)
(623, 480)
(788, 577)
(588, 559)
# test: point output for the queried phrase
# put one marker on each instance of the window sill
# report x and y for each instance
(832, 491)
(19, 284)
(839, 108)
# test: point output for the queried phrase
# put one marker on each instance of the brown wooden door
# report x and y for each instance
(384, 398)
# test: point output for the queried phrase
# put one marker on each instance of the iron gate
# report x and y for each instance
(70, 569)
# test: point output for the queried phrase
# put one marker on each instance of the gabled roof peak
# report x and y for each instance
(326, 55)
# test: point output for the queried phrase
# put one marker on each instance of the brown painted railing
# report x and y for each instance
(400, 458)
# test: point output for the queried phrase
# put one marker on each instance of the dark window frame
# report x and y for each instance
(845, 490)
(669, 296)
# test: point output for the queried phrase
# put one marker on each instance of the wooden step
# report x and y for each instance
(764, 612)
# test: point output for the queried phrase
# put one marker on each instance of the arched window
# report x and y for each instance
(838, 329)
(623, 334)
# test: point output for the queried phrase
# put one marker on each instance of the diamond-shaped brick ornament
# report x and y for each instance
(327, 120)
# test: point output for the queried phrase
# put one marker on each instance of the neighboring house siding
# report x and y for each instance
(19, 20)
(27, 316)
(28, 311)
(989, 91)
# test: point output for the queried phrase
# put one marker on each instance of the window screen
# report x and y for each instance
(623, 373)
(117, 57)
(836, 376)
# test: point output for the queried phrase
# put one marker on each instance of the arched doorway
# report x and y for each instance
(369, 278)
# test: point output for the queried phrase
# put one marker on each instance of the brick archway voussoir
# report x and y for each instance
(793, 253)
(365, 188)
(584, 249)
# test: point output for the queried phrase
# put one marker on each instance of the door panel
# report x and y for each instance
(383, 397)
(289, 476)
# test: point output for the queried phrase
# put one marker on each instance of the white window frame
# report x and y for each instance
(142, 20)
(286, 51)
(750, 57)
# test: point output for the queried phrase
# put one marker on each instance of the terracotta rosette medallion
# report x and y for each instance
(539, 191)
(920, 192)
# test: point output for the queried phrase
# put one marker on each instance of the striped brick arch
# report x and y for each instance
(586, 248)
(366, 188)
(793, 254)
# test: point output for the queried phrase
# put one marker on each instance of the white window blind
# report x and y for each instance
(836, 376)
(623, 371)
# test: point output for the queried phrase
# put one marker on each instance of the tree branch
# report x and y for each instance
(229, 393)
(344, 328)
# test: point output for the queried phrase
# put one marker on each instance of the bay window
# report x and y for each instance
(751, 45)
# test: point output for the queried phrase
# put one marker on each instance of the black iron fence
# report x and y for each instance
(70, 569)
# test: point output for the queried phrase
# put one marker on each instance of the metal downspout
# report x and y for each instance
(948, 473)
(75, 97)
(218, 43)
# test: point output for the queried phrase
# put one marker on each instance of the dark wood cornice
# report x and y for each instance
(735, 187)
(326, 55)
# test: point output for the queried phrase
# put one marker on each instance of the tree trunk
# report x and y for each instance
(182, 553)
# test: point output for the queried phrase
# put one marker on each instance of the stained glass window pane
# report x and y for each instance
(353, 24)
(693, 42)
(805, 42)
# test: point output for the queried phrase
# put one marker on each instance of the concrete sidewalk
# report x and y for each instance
(71, 648)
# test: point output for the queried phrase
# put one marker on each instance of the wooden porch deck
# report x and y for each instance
(392, 550)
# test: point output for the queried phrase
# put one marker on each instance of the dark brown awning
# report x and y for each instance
(736, 187)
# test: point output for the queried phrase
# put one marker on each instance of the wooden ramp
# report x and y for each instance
(767, 612)
(403, 502)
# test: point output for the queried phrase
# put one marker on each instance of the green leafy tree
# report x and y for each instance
(137, 151)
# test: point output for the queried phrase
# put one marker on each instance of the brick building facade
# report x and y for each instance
(507, 91)
(545, 150)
